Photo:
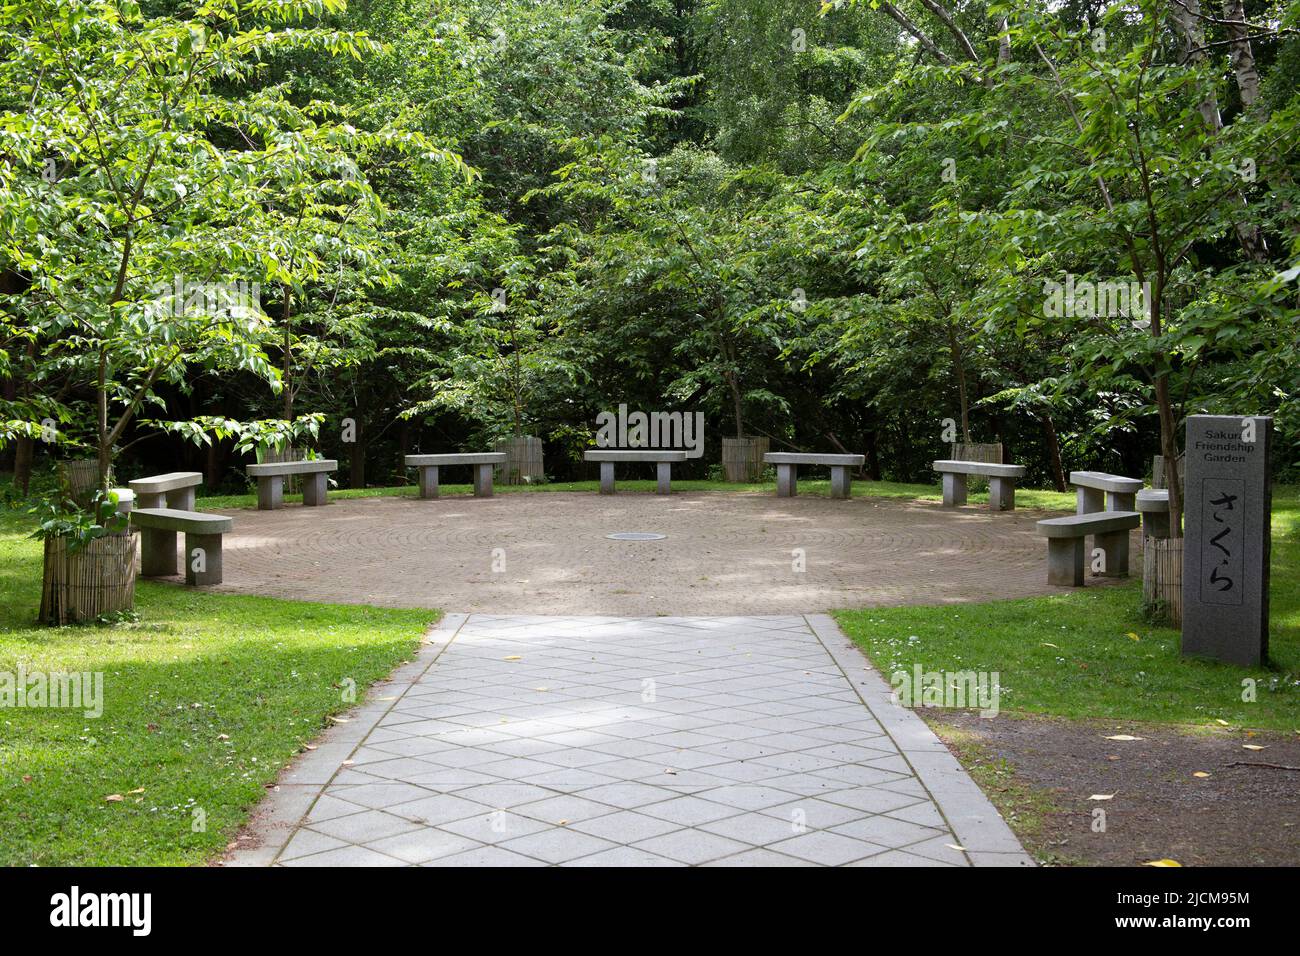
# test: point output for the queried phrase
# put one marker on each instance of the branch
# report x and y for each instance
(946, 19)
(901, 19)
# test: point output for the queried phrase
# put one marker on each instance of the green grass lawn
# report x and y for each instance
(1090, 654)
(206, 698)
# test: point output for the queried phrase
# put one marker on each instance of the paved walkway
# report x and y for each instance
(547, 553)
(590, 741)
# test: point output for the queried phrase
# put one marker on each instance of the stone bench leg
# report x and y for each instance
(954, 489)
(606, 477)
(1114, 545)
(1155, 524)
(270, 492)
(1002, 494)
(1089, 500)
(182, 499)
(157, 553)
(429, 481)
(1120, 501)
(158, 500)
(786, 483)
(839, 481)
(202, 559)
(1065, 562)
(664, 476)
(314, 488)
(483, 481)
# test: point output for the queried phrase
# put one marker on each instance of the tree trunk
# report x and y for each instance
(873, 455)
(286, 370)
(357, 467)
(24, 454)
(959, 369)
(1169, 448)
(1054, 451)
(1240, 53)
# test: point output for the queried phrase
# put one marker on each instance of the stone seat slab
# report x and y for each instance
(161, 484)
(1153, 499)
(270, 481)
(278, 469)
(481, 461)
(1153, 505)
(190, 522)
(1116, 484)
(1065, 544)
(787, 480)
(1097, 522)
(634, 454)
(456, 458)
(799, 458)
(955, 467)
(158, 528)
(662, 458)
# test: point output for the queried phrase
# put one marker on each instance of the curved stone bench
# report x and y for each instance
(787, 479)
(663, 461)
(481, 461)
(1002, 482)
(158, 528)
(1098, 491)
(1065, 539)
(270, 481)
(173, 490)
(1153, 505)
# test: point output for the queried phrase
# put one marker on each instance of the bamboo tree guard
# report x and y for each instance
(1162, 577)
(742, 458)
(79, 480)
(523, 464)
(988, 452)
(80, 586)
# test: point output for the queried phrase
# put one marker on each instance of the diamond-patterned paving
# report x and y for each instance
(530, 741)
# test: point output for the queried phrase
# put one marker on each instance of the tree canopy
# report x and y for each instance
(1063, 226)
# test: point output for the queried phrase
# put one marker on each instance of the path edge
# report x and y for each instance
(974, 821)
(278, 815)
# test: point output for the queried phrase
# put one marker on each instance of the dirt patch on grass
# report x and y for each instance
(1042, 772)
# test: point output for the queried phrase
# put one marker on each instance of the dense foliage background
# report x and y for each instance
(838, 226)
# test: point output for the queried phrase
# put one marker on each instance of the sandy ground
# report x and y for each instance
(547, 553)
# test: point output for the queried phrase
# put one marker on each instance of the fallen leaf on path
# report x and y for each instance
(1162, 863)
(1200, 773)
(1123, 737)
(954, 846)
(513, 657)
(1252, 747)
(1102, 796)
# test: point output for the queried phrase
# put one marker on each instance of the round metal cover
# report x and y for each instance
(636, 536)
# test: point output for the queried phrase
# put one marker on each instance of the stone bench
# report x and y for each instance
(173, 490)
(1065, 540)
(158, 528)
(1002, 482)
(270, 481)
(663, 461)
(1098, 491)
(1153, 505)
(787, 480)
(481, 462)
